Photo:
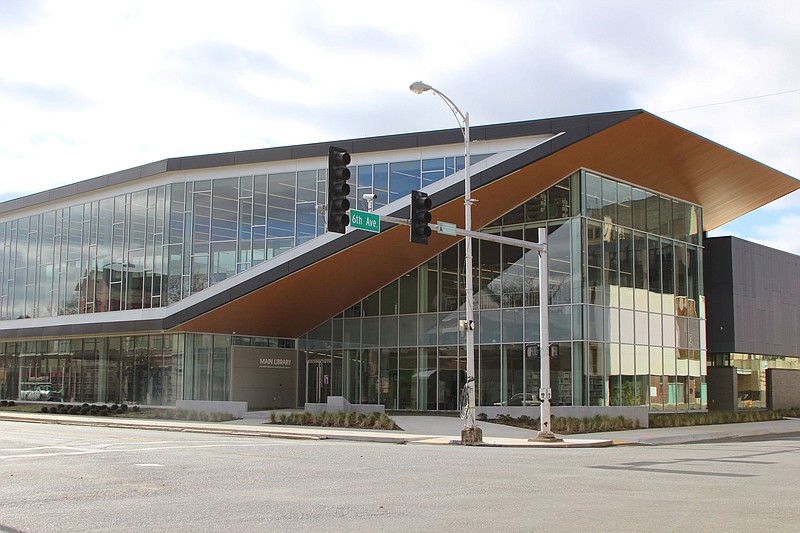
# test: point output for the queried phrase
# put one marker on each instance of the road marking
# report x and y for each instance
(78, 451)
(146, 465)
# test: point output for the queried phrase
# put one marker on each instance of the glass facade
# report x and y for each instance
(626, 310)
(136, 369)
(152, 247)
(625, 294)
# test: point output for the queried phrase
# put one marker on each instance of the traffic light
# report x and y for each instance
(338, 189)
(420, 217)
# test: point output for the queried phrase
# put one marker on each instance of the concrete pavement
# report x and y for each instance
(424, 429)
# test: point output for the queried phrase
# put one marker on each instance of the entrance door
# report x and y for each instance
(318, 377)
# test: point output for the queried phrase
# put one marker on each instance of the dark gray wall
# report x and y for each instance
(723, 393)
(265, 378)
(783, 388)
(752, 298)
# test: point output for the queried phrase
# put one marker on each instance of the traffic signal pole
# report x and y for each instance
(545, 391)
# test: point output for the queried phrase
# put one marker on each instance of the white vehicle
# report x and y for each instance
(42, 392)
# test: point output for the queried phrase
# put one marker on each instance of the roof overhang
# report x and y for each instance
(643, 150)
(292, 297)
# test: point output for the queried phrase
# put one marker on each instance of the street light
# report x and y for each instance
(471, 433)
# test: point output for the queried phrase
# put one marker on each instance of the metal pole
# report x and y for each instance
(471, 434)
(545, 392)
(470, 311)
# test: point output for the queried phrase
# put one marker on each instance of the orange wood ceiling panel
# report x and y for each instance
(643, 150)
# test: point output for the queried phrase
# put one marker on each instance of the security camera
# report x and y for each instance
(369, 196)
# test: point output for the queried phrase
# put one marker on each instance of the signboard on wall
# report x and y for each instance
(265, 378)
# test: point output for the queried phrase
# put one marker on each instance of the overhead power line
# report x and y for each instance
(729, 101)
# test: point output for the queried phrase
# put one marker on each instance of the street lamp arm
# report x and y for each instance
(419, 88)
(461, 118)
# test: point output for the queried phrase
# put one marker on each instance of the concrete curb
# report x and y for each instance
(646, 437)
(291, 432)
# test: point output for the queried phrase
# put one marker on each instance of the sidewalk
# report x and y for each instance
(421, 429)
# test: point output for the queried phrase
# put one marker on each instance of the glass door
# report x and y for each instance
(318, 378)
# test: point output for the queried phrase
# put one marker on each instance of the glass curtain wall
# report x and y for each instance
(626, 310)
(155, 246)
(135, 369)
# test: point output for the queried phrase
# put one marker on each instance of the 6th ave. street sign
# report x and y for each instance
(366, 221)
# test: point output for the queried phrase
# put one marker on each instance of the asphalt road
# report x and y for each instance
(73, 478)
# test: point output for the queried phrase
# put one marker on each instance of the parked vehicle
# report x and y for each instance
(520, 399)
(42, 392)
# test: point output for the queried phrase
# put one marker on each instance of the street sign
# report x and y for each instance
(446, 228)
(366, 221)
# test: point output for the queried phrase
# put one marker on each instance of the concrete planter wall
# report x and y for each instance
(237, 409)
(338, 404)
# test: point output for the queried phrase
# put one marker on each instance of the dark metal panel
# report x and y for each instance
(124, 176)
(147, 325)
(11, 205)
(766, 301)
(92, 184)
(39, 197)
(389, 142)
(151, 169)
(113, 327)
(310, 150)
(602, 121)
(718, 283)
(259, 156)
(207, 161)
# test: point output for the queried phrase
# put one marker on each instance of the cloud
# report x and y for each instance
(779, 233)
(44, 97)
(20, 13)
(106, 85)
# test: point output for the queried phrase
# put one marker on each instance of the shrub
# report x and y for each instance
(273, 416)
(135, 408)
(45, 409)
(384, 422)
(326, 420)
(53, 410)
(11, 403)
(124, 407)
(3, 403)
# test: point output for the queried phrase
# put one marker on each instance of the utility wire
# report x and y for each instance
(729, 101)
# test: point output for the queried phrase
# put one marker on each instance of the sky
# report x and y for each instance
(92, 87)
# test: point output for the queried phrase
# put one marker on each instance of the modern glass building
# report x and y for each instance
(213, 278)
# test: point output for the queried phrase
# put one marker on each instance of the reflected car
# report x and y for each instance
(43, 392)
(520, 399)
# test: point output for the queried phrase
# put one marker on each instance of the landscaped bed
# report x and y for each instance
(115, 410)
(600, 423)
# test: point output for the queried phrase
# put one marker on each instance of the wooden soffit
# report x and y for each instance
(643, 150)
